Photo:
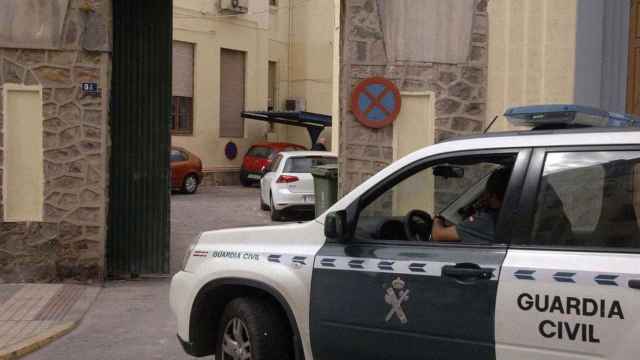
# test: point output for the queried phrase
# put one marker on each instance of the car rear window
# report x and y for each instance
(260, 152)
(177, 155)
(304, 164)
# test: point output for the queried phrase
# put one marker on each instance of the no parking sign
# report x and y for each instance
(376, 102)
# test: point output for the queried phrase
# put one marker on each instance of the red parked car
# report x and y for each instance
(259, 157)
(186, 170)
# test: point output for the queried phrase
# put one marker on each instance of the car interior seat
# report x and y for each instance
(551, 225)
(618, 223)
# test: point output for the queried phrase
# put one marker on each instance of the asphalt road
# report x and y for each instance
(132, 319)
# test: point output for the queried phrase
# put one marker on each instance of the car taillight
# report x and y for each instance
(283, 179)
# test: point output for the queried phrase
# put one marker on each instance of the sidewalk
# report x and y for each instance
(33, 315)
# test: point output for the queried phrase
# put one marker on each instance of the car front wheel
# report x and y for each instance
(253, 329)
(244, 179)
(190, 184)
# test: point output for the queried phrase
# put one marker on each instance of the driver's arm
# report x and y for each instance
(440, 232)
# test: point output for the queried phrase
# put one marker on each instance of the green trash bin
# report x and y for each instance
(325, 183)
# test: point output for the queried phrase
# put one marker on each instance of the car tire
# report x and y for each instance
(244, 179)
(263, 205)
(190, 184)
(276, 215)
(253, 328)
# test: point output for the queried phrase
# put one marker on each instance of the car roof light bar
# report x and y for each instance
(568, 116)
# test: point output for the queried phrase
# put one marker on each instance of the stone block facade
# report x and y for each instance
(70, 241)
(221, 178)
(460, 88)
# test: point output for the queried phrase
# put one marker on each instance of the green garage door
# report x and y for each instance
(138, 234)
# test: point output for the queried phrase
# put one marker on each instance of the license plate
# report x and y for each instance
(254, 176)
(309, 198)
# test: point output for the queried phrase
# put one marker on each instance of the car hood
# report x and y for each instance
(300, 238)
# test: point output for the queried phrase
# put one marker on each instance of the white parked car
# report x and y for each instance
(287, 185)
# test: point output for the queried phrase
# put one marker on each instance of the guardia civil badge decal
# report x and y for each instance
(395, 296)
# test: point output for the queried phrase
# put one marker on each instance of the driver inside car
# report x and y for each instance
(481, 226)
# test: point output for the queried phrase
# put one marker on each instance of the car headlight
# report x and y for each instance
(193, 245)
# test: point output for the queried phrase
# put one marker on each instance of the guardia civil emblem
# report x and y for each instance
(395, 296)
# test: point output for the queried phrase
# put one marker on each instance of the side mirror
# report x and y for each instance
(335, 226)
(263, 170)
(448, 171)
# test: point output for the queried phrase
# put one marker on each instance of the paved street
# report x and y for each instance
(132, 319)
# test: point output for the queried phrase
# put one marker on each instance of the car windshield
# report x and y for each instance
(304, 164)
(260, 152)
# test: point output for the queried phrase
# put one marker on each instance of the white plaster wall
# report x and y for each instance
(548, 51)
(532, 51)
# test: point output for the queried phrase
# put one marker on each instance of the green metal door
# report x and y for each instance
(138, 233)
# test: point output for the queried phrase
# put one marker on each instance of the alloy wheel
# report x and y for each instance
(190, 184)
(236, 344)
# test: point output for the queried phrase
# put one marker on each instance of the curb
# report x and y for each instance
(37, 342)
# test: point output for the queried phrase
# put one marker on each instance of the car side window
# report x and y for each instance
(455, 189)
(177, 155)
(588, 200)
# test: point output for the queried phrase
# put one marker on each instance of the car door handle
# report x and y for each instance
(634, 284)
(466, 272)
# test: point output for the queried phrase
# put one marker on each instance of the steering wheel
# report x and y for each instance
(417, 225)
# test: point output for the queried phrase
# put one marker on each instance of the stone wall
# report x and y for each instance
(70, 242)
(460, 87)
(221, 178)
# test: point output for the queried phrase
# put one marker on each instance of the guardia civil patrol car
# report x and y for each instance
(553, 274)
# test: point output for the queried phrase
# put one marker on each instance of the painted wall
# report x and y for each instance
(548, 51)
(531, 53)
(265, 34)
(311, 50)
(335, 106)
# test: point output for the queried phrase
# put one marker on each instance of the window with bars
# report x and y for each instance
(182, 115)
(183, 72)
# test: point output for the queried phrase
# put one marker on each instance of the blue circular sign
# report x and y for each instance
(231, 150)
(376, 102)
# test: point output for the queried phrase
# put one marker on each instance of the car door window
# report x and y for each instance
(588, 199)
(456, 189)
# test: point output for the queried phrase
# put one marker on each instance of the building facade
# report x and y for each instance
(252, 59)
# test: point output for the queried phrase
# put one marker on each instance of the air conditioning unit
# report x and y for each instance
(234, 6)
(295, 104)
